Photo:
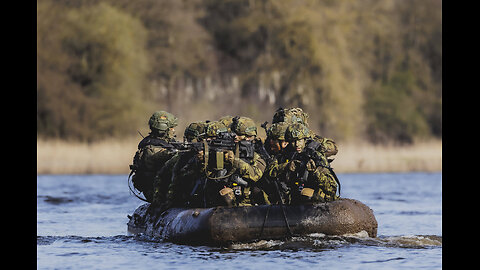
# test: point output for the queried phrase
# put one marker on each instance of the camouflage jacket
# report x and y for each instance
(188, 174)
(319, 180)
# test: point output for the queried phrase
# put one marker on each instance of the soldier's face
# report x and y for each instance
(171, 132)
(277, 145)
(298, 145)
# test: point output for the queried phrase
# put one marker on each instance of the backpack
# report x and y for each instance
(291, 116)
(144, 167)
(328, 146)
(141, 178)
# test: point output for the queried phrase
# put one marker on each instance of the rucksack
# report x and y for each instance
(328, 146)
(145, 166)
(291, 116)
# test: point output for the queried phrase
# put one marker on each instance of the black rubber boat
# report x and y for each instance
(219, 226)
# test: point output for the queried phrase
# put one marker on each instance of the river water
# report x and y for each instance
(82, 224)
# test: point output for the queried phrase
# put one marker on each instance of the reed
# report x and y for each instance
(114, 156)
(105, 157)
(365, 157)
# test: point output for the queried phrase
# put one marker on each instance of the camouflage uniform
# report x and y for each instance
(274, 146)
(297, 115)
(328, 147)
(198, 184)
(194, 132)
(250, 170)
(186, 168)
(188, 171)
(152, 152)
(306, 181)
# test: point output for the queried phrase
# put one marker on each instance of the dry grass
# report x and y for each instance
(363, 157)
(107, 157)
(114, 156)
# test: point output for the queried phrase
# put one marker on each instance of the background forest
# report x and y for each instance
(369, 69)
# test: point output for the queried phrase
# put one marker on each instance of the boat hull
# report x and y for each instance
(224, 225)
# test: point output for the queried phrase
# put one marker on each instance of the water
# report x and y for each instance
(81, 224)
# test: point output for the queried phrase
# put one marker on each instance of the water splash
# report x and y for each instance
(318, 241)
(413, 241)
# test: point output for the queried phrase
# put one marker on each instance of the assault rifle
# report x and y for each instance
(215, 149)
(226, 141)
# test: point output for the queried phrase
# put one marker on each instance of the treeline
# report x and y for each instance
(369, 69)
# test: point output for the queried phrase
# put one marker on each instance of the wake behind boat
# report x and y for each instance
(221, 225)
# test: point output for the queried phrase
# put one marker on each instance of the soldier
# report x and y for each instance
(249, 169)
(153, 151)
(224, 177)
(297, 115)
(186, 187)
(275, 146)
(304, 169)
(214, 128)
(194, 132)
(275, 141)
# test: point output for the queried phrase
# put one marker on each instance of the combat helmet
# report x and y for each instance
(291, 116)
(162, 121)
(277, 131)
(195, 130)
(296, 132)
(244, 126)
(213, 128)
(227, 121)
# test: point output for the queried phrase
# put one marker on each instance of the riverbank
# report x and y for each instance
(114, 156)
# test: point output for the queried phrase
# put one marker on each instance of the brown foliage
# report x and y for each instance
(361, 69)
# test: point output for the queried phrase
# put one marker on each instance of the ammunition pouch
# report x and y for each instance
(307, 192)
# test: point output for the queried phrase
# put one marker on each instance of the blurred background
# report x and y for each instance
(368, 70)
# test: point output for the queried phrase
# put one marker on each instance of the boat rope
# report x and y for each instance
(131, 190)
(264, 220)
(336, 179)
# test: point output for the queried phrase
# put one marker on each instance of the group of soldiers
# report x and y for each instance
(224, 163)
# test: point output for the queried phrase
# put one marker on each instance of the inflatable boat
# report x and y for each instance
(219, 226)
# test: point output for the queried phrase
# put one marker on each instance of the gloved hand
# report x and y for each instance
(311, 165)
(292, 165)
(229, 156)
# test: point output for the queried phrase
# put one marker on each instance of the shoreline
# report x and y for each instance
(115, 156)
